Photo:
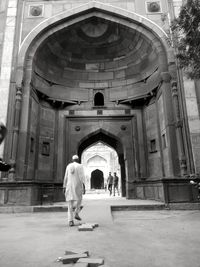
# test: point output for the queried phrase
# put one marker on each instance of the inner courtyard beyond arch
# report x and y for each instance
(96, 75)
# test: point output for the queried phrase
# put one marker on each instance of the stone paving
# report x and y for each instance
(123, 239)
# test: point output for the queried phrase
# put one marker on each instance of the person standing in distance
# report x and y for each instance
(115, 183)
(110, 183)
(73, 188)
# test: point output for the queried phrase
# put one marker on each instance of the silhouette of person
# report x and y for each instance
(115, 183)
(110, 183)
(73, 186)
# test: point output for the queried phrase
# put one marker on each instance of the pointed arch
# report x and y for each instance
(55, 23)
(110, 140)
(103, 136)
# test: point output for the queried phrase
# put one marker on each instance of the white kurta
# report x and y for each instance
(73, 181)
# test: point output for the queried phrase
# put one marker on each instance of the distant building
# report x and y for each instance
(98, 161)
(75, 73)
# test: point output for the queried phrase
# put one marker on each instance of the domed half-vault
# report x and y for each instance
(96, 54)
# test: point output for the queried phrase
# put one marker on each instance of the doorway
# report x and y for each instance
(113, 161)
(97, 179)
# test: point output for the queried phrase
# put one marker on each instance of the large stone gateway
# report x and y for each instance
(96, 73)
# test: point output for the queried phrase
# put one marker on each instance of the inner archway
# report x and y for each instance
(97, 179)
(99, 159)
(115, 159)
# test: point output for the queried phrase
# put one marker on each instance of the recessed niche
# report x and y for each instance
(46, 148)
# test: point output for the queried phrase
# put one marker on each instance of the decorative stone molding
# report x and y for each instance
(179, 126)
(18, 100)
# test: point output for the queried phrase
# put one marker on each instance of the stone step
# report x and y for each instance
(138, 207)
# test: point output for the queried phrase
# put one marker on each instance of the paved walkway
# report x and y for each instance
(157, 238)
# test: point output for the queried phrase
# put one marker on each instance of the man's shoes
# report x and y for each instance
(77, 217)
(71, 223)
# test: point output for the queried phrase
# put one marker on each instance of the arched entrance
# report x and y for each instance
(97, 179)
(63, 63)
(110, 140)
(100, 156)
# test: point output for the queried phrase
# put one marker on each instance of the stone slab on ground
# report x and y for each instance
(73, 258)
(92, 261)
(85, 227)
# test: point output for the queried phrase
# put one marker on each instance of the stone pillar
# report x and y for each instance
(170, 125)
(179, 128)
(15, 135)
(6, 61)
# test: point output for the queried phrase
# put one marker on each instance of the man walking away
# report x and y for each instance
(110, 183)
(73, 188)
(115, 183)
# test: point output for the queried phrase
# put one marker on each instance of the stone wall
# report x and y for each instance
(153, 142)
(33, 140)
(8, 12)
(192, 100)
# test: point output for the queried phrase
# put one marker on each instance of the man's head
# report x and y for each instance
(115, 173)
(3, 132)
(75, 158)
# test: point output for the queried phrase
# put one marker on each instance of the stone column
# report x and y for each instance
(179, 128)
(15, 135)
(170, 125)
(6, 59)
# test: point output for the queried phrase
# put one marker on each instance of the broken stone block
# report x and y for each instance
(94, 224)
(77, 251)
(72, 258)
(92, 262)
(85, 227)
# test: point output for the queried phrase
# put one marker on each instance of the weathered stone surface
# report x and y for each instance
(85, 227)
(92, 261)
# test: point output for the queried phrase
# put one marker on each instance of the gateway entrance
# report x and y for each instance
(97, 76)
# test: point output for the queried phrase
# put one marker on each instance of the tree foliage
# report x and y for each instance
(186, 33)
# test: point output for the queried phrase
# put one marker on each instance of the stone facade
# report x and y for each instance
(75, 73)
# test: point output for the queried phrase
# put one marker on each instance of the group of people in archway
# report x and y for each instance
(113, 183)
